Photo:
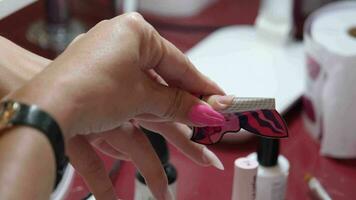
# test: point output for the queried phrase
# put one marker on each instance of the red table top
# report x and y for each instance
(195, 182)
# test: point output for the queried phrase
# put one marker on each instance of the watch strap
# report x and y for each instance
(33, 116)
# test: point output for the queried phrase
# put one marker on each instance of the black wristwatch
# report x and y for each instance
(13, 113)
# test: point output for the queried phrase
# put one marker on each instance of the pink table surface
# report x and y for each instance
(195, 182)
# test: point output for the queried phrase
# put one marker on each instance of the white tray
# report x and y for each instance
(244, 65)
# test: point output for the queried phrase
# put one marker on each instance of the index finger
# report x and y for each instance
(177, 70)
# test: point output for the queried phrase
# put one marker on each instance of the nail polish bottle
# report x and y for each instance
(273, 170)
(142, 192)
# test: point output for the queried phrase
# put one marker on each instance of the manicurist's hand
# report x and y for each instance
(113, 74)
(108, 76)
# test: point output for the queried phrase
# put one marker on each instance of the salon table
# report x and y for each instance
(195, 182)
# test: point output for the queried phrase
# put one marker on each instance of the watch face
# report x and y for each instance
(7, 112)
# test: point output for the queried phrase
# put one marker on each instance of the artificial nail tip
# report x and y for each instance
(212, 159)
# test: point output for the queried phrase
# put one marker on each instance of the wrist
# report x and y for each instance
(15, 114)
(52, 100)
(18, 168)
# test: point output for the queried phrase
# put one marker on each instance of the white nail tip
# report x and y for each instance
(212, 159)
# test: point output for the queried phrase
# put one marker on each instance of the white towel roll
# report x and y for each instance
(330, 98)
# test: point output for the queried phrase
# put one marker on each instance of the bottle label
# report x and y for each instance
(271, 188)
(142, 192)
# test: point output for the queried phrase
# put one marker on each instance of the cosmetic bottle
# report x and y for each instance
(244, 182)
(142, 192)
(273, 170)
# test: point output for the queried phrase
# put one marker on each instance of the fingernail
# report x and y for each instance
(210, 158)
(204, 115)
(224, 101)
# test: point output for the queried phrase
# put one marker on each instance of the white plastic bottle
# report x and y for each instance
(273, 171)
(244, 181)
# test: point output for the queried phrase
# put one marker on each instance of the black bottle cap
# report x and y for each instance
(268, 151)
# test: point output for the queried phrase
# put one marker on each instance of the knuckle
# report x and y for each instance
(102, 23)
(145, 35)
(175, 105)
(158, 49)
(134, 16)
(134, 21)
(79, 36)
(134, 24)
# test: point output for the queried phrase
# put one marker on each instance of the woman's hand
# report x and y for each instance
(108, 77)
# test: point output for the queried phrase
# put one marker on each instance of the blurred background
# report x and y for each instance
(45, 27)
(89, 12)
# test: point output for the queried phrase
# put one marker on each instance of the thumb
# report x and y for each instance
(178, 105)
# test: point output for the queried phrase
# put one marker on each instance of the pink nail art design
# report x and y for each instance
(204, 115)
(267, 123)
(211, 135)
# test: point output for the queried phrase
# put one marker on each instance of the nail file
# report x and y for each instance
(241, 104)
